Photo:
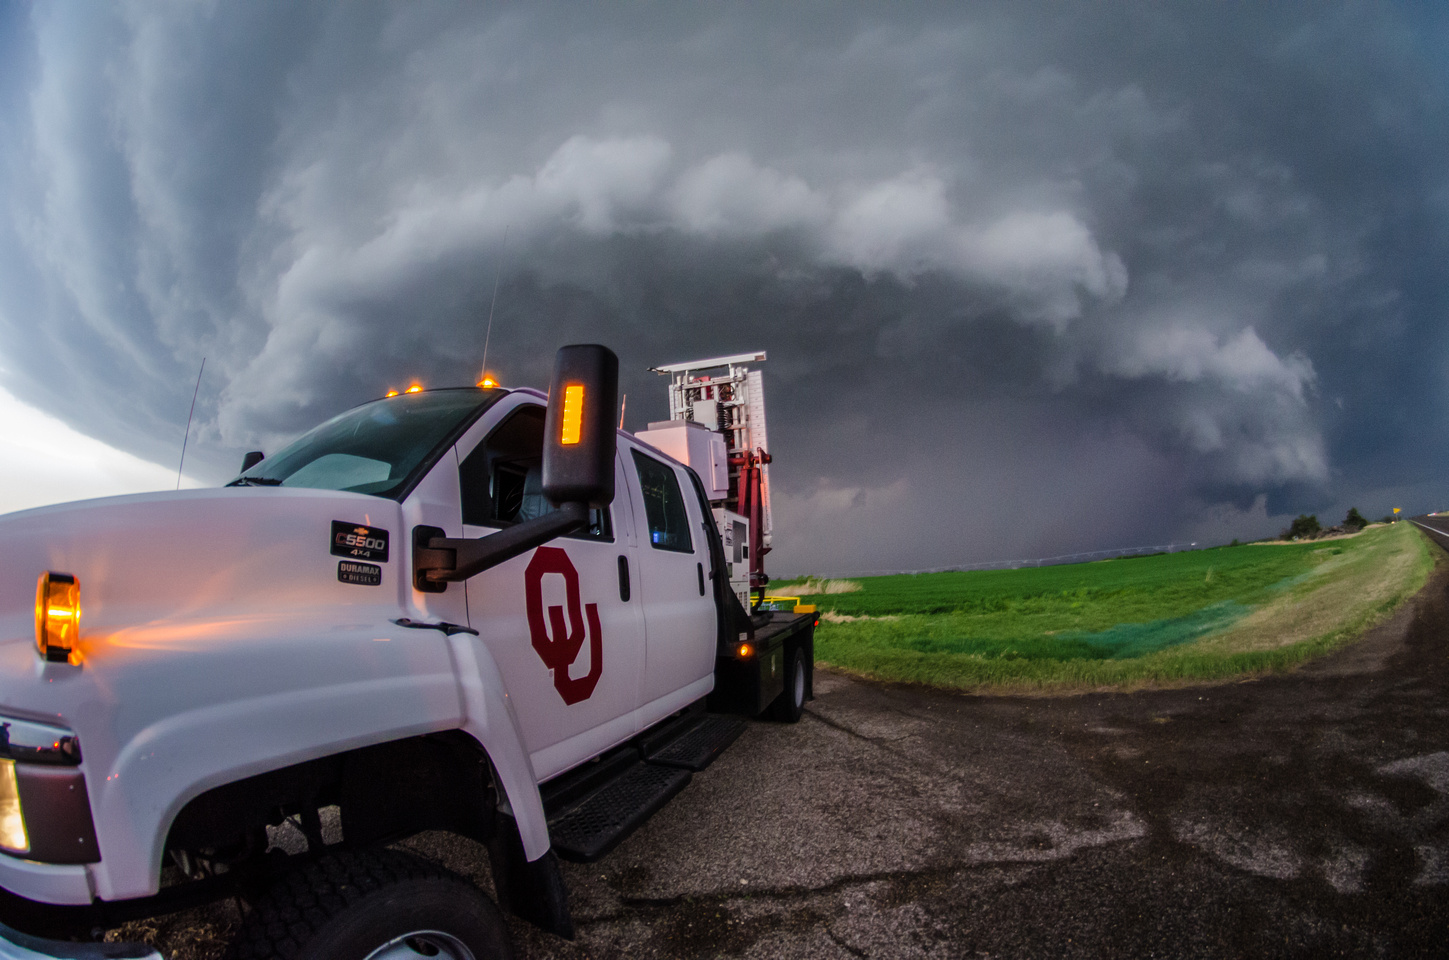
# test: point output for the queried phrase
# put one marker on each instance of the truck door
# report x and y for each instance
(674, 568)
(562, 621)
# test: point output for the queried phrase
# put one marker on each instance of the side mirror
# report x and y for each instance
(579, 439)
(251, 460)
(578, 472)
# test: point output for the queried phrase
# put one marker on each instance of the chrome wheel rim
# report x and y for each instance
(799, 684)
(422, 943)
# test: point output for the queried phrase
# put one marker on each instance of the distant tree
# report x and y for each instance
(1387, 518)
(1354, 520)
(1305, 527)
(1235, 543)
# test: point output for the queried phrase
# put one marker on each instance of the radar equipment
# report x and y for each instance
(725, 396)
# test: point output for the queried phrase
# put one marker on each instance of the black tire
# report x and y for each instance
(789, 706)
(372, 905)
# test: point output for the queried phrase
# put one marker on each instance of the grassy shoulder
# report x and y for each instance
(1135, 622)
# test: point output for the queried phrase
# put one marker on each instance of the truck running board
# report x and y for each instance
(696, 743)
(593, 809)
(601, 821)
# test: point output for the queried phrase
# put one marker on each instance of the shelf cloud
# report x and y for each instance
(1030, 282)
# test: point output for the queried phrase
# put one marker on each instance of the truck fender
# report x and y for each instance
(488, 717)
(187, 754)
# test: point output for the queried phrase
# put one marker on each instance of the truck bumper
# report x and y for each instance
(15, 945)
(57, 883)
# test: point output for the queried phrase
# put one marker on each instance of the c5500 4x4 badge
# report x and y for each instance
(359, 542)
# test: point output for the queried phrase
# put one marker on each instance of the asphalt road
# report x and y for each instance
(1436, 527)
(1305, 815)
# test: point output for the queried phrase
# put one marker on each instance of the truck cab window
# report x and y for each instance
(663, 505)
(341, 471)
(502, 479)
(382, 448)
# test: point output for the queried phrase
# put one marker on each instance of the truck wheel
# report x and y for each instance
(790, 704)
(372, 905)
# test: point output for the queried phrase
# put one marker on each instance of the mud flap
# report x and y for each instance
(533, 891)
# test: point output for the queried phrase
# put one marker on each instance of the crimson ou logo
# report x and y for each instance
(557, 640)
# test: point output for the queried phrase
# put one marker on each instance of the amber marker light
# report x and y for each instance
(488, 383)
(746, 651)
(573, 413)
(57, 615)
(390, 393)
(12, 819)
(415, 388)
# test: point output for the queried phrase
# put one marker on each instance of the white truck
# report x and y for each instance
(475, 610)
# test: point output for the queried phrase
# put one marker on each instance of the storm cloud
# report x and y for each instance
(1031, 279)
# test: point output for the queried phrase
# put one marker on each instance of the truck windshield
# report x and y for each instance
(382, 448)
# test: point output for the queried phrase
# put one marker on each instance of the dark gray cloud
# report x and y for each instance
(1031, 280)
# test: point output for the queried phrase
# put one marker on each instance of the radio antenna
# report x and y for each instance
(187, 436)
(496, 277)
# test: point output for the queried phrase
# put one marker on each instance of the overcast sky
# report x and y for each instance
(1033, 278)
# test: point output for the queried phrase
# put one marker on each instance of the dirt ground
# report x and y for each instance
(1304, 815)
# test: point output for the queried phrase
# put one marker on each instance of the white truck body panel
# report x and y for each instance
(218, 642)
(700, 448)
(488, 713)
(648, 668)
(559, 735)
(207, 659)
(680, 617)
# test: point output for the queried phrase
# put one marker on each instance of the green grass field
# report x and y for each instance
(1159, 620)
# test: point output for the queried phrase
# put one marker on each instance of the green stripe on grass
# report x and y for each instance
(1205, 615)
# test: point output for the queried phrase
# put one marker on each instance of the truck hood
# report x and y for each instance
(191, 558)
(218, 639)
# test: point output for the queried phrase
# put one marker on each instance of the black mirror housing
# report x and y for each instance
(251, 460)
(579, 438)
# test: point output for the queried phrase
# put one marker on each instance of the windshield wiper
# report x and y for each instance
(255, 482)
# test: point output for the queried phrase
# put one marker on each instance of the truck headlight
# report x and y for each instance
(45, 813)
(12, 821)
(57, 615)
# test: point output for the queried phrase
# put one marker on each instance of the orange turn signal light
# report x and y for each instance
(573, 413)
(746, 651)
(57, 616)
